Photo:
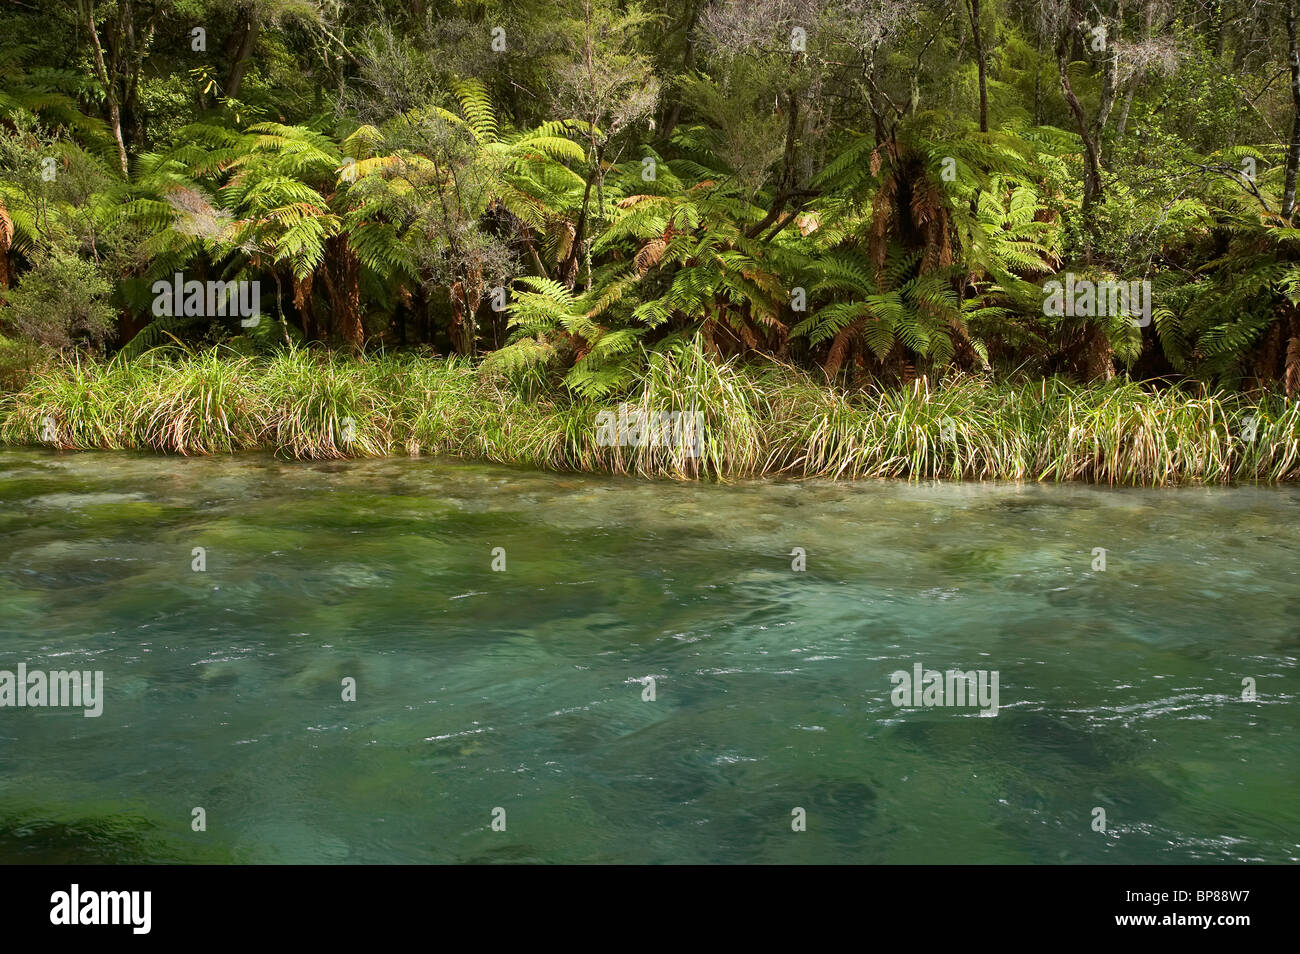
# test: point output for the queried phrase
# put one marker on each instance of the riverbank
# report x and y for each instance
(757, 421)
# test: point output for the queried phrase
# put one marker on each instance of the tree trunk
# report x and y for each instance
(343, 282)
(6, 239)
(981, 60)
(568, 270)
(786, 185)
(1107, 103)
(1092, 187)
(107, 79)
(463, 333)
(688, 65)
(306, 310)
(1092, 182)
(1293, 149)
(1122, 124)
(1099, 364)
(244, 53)
(1292, 368)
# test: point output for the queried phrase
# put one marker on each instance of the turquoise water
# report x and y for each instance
(523, 689)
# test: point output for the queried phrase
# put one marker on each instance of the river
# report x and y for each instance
(644, 676)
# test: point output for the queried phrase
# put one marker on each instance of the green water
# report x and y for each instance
(523, 689)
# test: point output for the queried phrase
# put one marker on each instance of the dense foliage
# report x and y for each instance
(757, 419)
(879, 189)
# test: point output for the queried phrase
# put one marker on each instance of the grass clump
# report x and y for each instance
(758, 420)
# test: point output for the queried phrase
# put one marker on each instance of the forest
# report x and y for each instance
(574, 202)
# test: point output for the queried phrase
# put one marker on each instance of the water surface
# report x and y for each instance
(523, 689)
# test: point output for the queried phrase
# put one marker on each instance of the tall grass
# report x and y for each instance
(758, 420)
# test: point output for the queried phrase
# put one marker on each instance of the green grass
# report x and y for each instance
(766, 420)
